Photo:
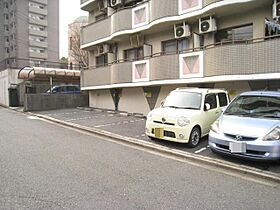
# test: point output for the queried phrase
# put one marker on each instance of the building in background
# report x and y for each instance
(76, 56)
(141, 50)
(29, 31)
(29, 36)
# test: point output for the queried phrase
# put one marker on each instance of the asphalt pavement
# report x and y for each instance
(45, 166)
(132, 126)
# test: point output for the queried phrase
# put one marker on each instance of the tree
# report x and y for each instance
(63, 63)
(77, 56)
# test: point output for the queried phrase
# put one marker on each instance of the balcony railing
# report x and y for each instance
(38, 10)
(98, 76)
(38, 33)
(45, 2)
(121, 19)
(257, 56)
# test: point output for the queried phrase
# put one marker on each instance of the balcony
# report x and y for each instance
(38, 10)
(88, 5)
(38, 22)
(121, 73)
(98, 76)
(225, 60)
(38, 55)
(38, 44)
(259, 57)
(96, 31)
(38, 33)
(121, 20)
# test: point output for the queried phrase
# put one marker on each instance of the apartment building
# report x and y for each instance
(29, 31)
(141, 50)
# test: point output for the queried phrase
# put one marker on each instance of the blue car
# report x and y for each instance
(249, 127)
(62, 89)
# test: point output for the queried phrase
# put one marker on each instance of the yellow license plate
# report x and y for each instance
(159, 132)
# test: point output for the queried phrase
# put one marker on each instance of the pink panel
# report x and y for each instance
(194, 69)
(188, 4)
(186, 69)
(140, 71)
(140, 16)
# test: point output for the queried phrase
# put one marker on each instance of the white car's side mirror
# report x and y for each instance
(207, 107)
(161, 103)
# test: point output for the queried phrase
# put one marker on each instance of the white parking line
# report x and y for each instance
(200, 150)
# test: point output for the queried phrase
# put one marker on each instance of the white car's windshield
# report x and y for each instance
(183, 100)
(255, 106)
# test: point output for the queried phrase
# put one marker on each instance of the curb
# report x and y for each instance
(172, 152)
(168, 151)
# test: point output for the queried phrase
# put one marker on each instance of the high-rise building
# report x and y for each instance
(29, 32)
(141, 50)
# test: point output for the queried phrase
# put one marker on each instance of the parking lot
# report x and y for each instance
(134, 126)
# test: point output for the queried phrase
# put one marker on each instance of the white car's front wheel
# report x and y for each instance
(194, 137)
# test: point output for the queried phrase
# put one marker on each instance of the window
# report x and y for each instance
(175, 45)
(237, 33)
(222, 99)
(101, 60)
(134, 54)
(211, 100)
(71, 88)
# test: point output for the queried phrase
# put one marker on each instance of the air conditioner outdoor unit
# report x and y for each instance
(114, 3)
(103, 48)
(276, 9)
(136, 40)
(207, 25)
(182, 30)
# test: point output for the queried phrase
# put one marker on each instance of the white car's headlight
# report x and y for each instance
(183, 121)
(215, 127)
(273, 135)
(149, 116)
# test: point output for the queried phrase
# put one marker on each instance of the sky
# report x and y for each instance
(69, 10)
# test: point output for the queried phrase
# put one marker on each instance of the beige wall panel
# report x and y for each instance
(133, 100)
(246, 18)
(234, 88)
(156, 39)
(101, 99)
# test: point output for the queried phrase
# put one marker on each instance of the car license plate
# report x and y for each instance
(237, 147)
(159, 132)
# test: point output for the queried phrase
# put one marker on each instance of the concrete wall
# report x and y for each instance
(53, 31)
(4, 84)
(38, 102)
(22, 23)
(7, 77)
(101, 99)
(133, 100)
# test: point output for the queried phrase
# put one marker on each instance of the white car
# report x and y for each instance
(186, 115)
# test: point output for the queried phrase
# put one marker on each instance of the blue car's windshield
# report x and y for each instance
(255, 106)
